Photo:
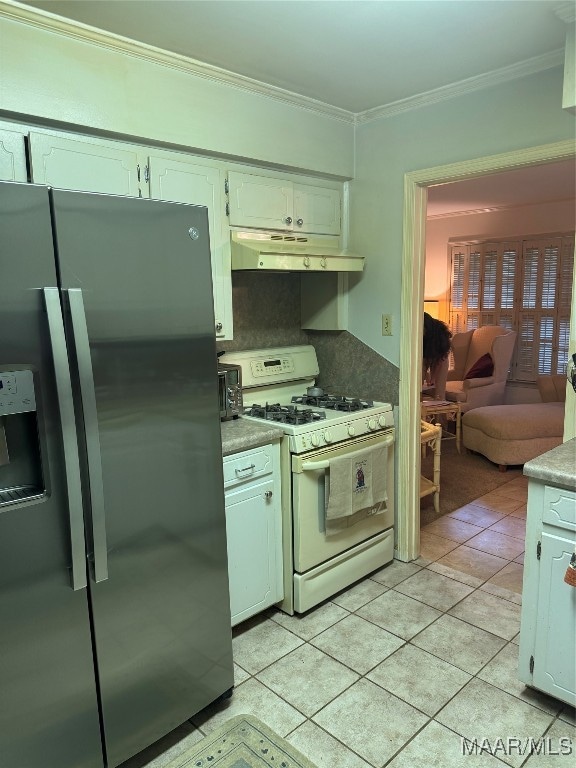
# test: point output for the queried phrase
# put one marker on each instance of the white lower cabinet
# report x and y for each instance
(253, 530)
(547, 658)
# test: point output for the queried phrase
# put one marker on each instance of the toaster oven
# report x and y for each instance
(230, 391)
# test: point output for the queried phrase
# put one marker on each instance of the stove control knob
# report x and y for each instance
(382, 420)
(328, 436)
(372, 424)
(351, 431)
(315, 440)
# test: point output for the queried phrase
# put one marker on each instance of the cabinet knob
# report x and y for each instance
(299, 222)
(268, 495)
(288, 219)
(218, 327)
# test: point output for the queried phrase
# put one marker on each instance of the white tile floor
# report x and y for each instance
(396, 669)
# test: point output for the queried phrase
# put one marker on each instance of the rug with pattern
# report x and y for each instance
(242, 742)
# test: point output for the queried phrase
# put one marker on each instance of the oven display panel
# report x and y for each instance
(272, 366)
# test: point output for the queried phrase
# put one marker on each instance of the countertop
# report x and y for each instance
(556, 467)
(242, 434)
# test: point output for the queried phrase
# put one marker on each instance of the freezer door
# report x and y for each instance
(142, 336)
(48, 702)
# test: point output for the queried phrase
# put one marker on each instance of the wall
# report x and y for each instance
(54, 77)
(528, 220)
(266, 311)
(84, 86)
(520, 114)
(75, 84)
(267, 314)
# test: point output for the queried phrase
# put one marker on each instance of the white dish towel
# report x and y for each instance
(356, 481)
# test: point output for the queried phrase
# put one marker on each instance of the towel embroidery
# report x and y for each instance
(360, 477)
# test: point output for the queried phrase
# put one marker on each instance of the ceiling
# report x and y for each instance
(355, 55)
(358, 55)
(547, 183)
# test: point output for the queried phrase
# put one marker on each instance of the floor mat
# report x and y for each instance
(464, 477)
(242, 742)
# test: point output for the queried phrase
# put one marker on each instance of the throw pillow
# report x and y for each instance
(482, 368)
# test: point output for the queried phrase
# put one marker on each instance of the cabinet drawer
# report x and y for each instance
(559, 508)
(248, 465)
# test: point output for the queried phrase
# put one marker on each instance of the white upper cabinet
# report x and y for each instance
(317, 209)
(265, 202)
(106, 167)
(12, 156)
(187, 181)
(90, 165)
(259, 202)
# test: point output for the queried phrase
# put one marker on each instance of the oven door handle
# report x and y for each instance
(315, 466)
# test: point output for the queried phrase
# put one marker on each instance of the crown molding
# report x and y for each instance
(463, 87)
(78, 31)
(496, 209)
(15, 11)
(566, 11)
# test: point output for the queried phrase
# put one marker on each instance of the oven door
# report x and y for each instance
(312, 545)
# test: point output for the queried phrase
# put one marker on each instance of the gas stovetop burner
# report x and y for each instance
(285, 414)
(334, 402)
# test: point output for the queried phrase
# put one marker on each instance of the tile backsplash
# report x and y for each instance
(267, 314)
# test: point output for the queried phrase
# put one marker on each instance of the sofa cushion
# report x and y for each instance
(517, 422)
(552, 387)
(482, 368)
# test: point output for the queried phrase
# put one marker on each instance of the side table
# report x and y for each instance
(431, 435)
(430, 409)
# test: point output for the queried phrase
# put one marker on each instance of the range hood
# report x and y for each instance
(285, 252)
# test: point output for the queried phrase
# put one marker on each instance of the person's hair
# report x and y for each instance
(435, 342)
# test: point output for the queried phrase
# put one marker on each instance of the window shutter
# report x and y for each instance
(457, 309)
(524, 286)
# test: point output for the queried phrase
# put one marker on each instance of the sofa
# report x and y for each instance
(510, 435)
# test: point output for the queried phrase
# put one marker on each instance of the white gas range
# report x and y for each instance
(322, 556)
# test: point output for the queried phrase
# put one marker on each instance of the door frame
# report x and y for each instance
(416, 185)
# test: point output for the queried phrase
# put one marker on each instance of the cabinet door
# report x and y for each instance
(85, 164)
(253, 537)
(12, 156)
(259, 201)
(190, 182)
(554, 658)
(317, 209)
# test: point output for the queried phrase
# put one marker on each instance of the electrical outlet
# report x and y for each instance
(386, 325)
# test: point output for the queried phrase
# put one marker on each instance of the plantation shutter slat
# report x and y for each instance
(523, 285)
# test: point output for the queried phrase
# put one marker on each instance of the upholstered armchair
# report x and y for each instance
(480, 368)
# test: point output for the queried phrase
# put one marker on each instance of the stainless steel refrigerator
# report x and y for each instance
(114, 604)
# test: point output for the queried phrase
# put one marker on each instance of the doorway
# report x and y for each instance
(416, 186)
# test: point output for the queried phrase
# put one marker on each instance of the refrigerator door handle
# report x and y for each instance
(88, 395)
(68, 423)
